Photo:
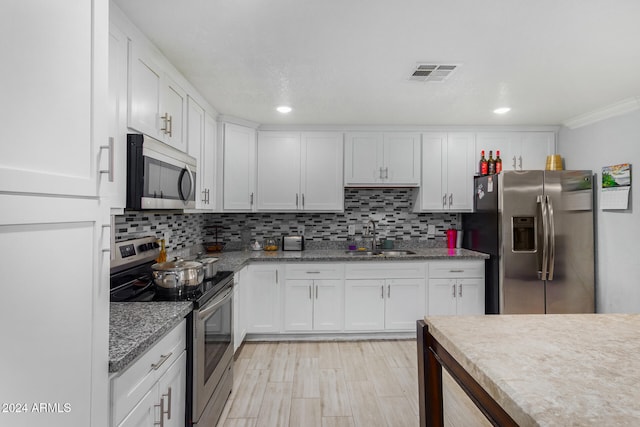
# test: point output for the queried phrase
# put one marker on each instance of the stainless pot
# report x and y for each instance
(178, 275)
(210, 266)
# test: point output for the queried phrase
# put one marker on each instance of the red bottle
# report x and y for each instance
(484, 165)
(498, 162)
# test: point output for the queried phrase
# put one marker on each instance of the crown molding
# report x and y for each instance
(619, 108)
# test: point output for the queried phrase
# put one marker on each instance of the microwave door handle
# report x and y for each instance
(552, 238)
(186, 171)
(192, 178)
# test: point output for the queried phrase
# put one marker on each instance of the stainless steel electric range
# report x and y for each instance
(209, 326)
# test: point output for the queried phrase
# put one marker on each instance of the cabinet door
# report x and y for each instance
(401, 158)
(404, 303)
(321, 183)
(278, 171)
(195, 137)
(145, 83)
(115, 190)
(459, 177)
(470, 296)
(239, 168)
(364, 304)
(363, 153)
(298, 305)
(263, 298)
(207, 171)
(534, 149)
(54, 96)
(172, 390)
(173, 103)
(144, 414)
(328, 305)
(442, 297)
(433, 188)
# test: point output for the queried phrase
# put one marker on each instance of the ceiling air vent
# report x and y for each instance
(432, 72)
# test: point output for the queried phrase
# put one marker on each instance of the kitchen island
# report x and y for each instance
(532, 370)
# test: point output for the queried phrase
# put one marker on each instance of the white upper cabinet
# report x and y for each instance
(300, 171)
(239, 168)
(209, 163)
(382, 159)
(157, 104)
(54, 97)
(447, 172)
(521, 150)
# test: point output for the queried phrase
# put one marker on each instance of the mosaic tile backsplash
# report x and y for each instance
(394, 205)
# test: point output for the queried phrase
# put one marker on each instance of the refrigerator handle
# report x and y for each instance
(542, 237)
(552, 239)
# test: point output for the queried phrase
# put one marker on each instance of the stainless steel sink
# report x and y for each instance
(390, 253)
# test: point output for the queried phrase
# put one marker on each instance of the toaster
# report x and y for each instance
(292, 243)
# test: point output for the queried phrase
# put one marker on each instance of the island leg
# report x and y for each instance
(429, 380)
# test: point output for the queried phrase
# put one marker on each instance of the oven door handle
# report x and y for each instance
(206, 312)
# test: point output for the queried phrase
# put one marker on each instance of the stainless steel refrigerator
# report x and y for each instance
(538, 228)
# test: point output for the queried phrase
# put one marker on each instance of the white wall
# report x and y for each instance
(608, 142)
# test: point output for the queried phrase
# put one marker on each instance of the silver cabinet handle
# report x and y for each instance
(296, 200)
(303, 200)
(161, 406)
(514, 162)
(276, 276)
(316, 291)
(520, 162)
(165, 129)
(251, 199)
(381, 169)
(168, 395)
(453, 290)
(310, 294)
(450, 199)
(313, 272)
(163, 358)
(444, 201)
(386, 172)
(388, 291)
(460, 290)
(204, 196)
(382, 291)
(109, 147)
(456, 271)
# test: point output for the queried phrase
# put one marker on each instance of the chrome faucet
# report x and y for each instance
(371, 228)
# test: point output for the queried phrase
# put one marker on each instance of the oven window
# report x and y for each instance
(217, 337)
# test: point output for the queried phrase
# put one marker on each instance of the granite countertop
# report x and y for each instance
(551, 370)
(135, 326)
(235, 260)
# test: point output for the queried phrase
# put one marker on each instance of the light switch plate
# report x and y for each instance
(431, 230)
(352, 230)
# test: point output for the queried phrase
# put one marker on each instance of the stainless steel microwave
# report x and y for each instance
(158, 175)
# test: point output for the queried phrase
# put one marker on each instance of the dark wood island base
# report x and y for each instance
(432, 357)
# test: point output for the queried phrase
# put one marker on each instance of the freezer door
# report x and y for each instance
(521, 288)
(570, 284)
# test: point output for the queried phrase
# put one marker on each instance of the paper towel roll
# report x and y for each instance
(459, 239)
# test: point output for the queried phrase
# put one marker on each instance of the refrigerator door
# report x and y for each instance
(522, 288)
(570, 281)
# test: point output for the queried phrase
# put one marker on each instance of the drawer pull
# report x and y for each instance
(456, 271)
(163, 359)
(313, 272)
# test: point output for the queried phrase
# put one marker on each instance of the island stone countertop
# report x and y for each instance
(135, 326)
(551, 370)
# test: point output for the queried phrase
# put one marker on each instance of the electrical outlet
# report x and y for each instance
(352, 230)
(431, 230)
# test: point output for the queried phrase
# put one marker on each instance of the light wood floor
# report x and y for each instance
(307, 384)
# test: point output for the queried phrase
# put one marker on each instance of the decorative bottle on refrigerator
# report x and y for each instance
(498, 162)
(483, 164)
(491, 164)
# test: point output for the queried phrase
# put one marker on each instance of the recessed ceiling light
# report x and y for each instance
(502, 110)
(284, 109)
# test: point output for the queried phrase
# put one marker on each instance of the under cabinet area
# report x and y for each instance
(152, 391)
(384, 296)
(456, 288)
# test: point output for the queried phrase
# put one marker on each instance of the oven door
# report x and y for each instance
(213, 348)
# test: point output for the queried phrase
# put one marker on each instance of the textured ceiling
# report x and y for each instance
(349, 61)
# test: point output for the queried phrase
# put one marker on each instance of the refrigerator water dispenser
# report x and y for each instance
(523, 232)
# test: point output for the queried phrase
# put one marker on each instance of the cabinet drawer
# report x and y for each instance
(314, 271)
(457, 269)
(385, 270)
(129, 387)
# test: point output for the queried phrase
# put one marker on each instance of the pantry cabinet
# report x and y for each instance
(382, 159)
(384, 296)
(313, 297)
(447, 172)
(263, 298)
(157, 104)
(239, 159)
(300, 171)
(519, 150)
(456, 287)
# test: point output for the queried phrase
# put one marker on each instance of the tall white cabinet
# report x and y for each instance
(239, 186)
(49, 192)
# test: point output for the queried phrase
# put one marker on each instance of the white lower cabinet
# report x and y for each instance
(152, 391)
(313, 297)
(239, 307)
(456, 287)
(263, 298)
(384, 296)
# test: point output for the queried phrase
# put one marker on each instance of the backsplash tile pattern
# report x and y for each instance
(396, 204)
